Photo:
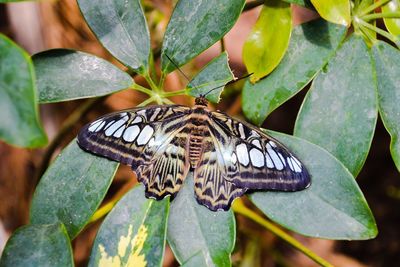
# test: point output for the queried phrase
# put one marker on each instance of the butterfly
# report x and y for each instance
(162, 143)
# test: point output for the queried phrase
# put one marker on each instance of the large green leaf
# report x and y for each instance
(199, 259)
(194, 26)
(133, 234)
(67, 74)
(387, 65)
(214, 75)
(193, 228)
(120, 25)
(339, 112)
(392, 25)
(337, 11)
(311, 45)
(71, 189)
(305, 3)
(332, 207)
(268, 40)
(38, 245)
(20, 124)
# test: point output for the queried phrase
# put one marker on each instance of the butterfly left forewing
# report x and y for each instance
(148, 140)
(256, 160)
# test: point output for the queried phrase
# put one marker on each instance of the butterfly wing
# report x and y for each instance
(212, 188)
(255, 160)
(148, 139)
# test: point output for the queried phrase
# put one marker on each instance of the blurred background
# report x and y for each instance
(38, 26)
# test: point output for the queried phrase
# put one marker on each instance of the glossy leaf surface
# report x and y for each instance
(67, 75)
(268, 40)
(20, 123)
(71, 189)
(311, 46)
(133, 234)
(387, 60)
(215, 74)
(392, 25)
(337, 11)
(194, 26)
(121, 27)
(332, 207)
(193, 228)
(339, 112)
(38, 245)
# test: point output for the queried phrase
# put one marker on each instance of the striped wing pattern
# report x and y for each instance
(162, 143)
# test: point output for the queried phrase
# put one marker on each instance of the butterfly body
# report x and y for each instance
(163, 143)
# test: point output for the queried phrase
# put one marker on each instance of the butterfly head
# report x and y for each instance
(201, 101)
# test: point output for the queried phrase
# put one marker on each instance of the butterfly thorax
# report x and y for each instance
(198, 131)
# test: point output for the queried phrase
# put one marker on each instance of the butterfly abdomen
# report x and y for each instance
(198, 131)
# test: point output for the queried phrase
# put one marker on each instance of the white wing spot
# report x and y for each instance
(296, 164)
(275, 158)
(241, 131)
(94, 125)
(242, 154)
(256, 157)
(131, 133)
(101, 126)
(270, 164)
(156, 111)
(290, 162)
(145, 135)
(282, 158)
(137, 120)
(113, 127)
(233, 158)
(151, 142)
(257, 143)
(272, 143)
(118, 133)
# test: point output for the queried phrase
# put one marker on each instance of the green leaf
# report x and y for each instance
(268, 40)
(311, 45)
(387, 65)
(38, 245)
(392, 25)
(64, 74)
(72, 189)
(20, 123)
(120, 25)
(199, 259)
(133, 234)
(193, 228)
(215, 74)
(337, 11)
(195, 26)
(339, 112)
(332, 207)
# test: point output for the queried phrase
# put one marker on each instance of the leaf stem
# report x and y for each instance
(142, 89)
(240, 208)
(372, 7)
(66, 127)
(151, 83)
(377, 30)
(147, 101)
(395, 15)
(174, 93)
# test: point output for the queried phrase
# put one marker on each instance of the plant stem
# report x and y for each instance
(147, 101)
(368, 34)
(253, 4)
(372, 7)
(167, 101)
(151, 83)
(240, 208)
(66, 127)
(377, 30)
(223, 48)
(174, 93)
(162, 80)
(142, 89)
(395, 15)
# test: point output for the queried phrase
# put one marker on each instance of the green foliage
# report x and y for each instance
(337, 118)
(46, 245)
(64, 75)
(193, 228)
(339, 114)
(20, 124)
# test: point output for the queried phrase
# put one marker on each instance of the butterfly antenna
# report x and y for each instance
(230, 82)
(177, 67)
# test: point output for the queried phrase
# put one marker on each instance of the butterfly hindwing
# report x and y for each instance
(255, 160)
